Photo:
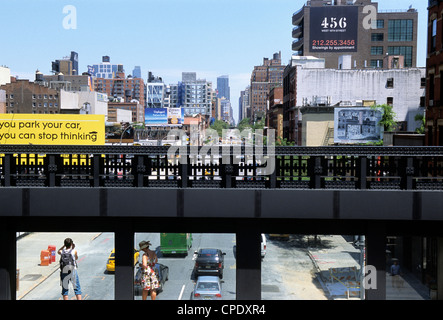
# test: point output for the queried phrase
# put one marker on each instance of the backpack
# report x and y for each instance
(67, 262)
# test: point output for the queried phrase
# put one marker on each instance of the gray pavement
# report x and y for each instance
(334, 251)
(29, 247)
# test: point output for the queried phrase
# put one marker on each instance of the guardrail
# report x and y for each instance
(335, 167)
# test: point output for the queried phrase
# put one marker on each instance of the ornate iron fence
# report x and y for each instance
(341, 167)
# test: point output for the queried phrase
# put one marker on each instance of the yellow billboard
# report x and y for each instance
(52, 129)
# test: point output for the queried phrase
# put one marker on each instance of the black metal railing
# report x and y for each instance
(335, 167)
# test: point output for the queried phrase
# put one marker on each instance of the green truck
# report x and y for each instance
(175, 243)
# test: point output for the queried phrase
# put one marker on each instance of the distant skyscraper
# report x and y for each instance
(223, 87)
(74, 60)
(137, 72)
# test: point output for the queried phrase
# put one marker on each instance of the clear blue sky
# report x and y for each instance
(167, 37)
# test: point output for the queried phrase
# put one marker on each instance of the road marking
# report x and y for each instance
(181, 293)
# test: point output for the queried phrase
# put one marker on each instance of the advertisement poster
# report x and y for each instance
(164, 116)
(334, 29)
(52, 129)
(357, 125)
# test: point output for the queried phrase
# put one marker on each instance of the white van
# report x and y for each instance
(263, 246)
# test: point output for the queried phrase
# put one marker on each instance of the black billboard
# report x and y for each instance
(333, 29)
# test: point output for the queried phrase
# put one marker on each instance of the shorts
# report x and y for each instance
(66, 278)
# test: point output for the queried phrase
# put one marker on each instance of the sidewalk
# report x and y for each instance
(333, 251)
(29, 247)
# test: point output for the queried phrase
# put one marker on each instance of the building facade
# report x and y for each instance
(194, 95)
(263, 79)
(434, 76)
(331, 28)
(308, 86)
(223, 89)
(274, 117)
(155, 92)
(24, 96)
(127, 88)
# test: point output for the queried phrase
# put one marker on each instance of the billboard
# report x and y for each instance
(357, 125)
(52, 129)
(164, 116)
(333, 29)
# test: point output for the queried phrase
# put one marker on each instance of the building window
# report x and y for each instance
(376, 63)
(404, 51)
(380, 24)
(377, 37)
(390, 101)
(390, 83)
(434, 35)
(422, 82)
(375, 51)
(400, 30)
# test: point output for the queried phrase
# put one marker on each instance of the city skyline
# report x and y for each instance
(165, 37)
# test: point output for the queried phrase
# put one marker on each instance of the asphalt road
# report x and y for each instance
(287, 271)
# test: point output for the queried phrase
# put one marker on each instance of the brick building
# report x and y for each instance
(274, 116)
(127, 88)
(434, 75)
(349, 29)
(263, 79)
(23, 96)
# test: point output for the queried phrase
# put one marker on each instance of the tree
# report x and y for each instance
(219, 126)
(422, 119)
(388, 120)
(244, 124)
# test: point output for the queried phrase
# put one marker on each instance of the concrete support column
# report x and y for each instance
(376, 257)
(8, 263)
(248, 262)
(440, 268)
(124, 262)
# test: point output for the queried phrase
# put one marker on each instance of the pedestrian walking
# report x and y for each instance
(68, 269)
(149, 277)
(396, 279)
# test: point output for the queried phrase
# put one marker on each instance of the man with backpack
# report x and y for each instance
(68, 269)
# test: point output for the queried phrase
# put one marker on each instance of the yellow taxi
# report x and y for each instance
(110, 264)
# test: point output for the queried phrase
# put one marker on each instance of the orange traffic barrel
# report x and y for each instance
(44, 258)
(51, 250)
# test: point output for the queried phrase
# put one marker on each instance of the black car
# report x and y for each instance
(209, 261)
(162, 272)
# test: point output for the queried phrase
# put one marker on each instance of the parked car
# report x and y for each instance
(263, 246)
(110, 263)
(207, 288)
(209, 261)
(162, 272)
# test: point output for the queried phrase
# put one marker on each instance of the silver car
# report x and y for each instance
(207, 288)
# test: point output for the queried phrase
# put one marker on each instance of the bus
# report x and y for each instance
(175, 243)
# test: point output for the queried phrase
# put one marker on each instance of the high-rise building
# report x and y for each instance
(331, 28)
(194, 95)
(263, 78)
(110, 79)
(223, 90)
(243, 104)
(155, 92)
(105, 69)
(137, 72)
(67, 65)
